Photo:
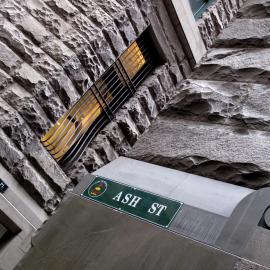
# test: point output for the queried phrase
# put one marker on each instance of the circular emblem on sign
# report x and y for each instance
(97, 188)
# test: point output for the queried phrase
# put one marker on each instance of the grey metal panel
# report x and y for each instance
(242, 235)
(198, 224)
(86, 235)
(204, 193)
(258, 248)
(190, 221)
(248, 265)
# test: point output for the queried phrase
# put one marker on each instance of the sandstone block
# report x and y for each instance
(211, 150)
(28, 107)
(91, 10)
(146, 100)
(63, 7)
(227, 103)
(125, 27)
(166, 81)
(114, 39)
(246, 32)
(102, 146)
(116, 138)
(136, 19)
(21, 168)
(41, 62)
(228, 9)
(137, 114)
(40, 88)
(156, 90)
(32, 80)
(44, 39)
(128, 127)
(252, 9)
(244, 65)
(14, 126)
(88, 162)
(113, 8)
(47, 167)
(204, 33)
(5, 79)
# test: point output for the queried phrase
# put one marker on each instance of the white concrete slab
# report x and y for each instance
(204, 193)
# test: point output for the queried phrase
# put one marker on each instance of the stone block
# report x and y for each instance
(204, 33)
(31, 80)
(228, 9)
(137, 114)
(166, 81)
(89, 161)
(45, 40)
(255, 9)
(185, 71)
(244, 65)
(156, 90)
(5, 79)
(63, 7)
(14, 126)
(219, 17)
(116, 138)
(246, 32)
(212, 150)
(125, 27)
(136, 19)
(113, 37)
(147, 102)
(40, 61)
(128, 127)
(236, 104)
(66, 33)
(169, 31)
(113, 7)
(48, 167)
(40, 88)
(28, 107)
(104, 149)
(27, 176)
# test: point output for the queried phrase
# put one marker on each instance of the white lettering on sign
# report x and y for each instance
(129, 199)
(156, 209)
(134, 201)
(118, 196)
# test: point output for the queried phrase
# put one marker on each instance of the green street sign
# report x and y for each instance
(136, 202)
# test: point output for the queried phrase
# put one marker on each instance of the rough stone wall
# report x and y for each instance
(218, 123)
(216, 18)
(51, 51)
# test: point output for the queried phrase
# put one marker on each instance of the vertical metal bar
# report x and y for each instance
(110, 118)
(132, 88)
(105, 102)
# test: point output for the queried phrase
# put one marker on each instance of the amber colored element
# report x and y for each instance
(77, 120)
(72, 125)
(132, 59)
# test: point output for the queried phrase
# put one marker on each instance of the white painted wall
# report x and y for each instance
(190, 28)
(25, 213)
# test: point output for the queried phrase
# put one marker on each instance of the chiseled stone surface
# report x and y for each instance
(51, 51)
(255, 9)
(237, 104)
(216, 18)
(247, 265)
(217, 123)
(246, 32)
(225, 153)
(230, 64)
